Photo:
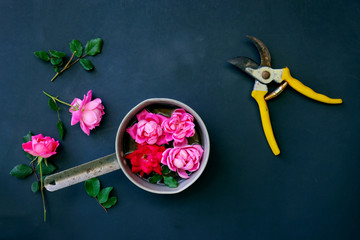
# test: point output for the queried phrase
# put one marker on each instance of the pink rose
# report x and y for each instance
(183, 158)
(41, 146)
(88, 112)
(179, 126)
(148, 129)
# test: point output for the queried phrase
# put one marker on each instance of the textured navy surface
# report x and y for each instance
(179, 49)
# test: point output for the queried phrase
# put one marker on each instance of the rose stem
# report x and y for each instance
(42, 191)
(66, 67)
(57, 99)
(77, 60)
(35, 172)
(101, 205)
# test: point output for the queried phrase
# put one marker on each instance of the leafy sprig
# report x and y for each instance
(60, 126)
(56, 58)
(165, 177)
(93, 189)
(43, 168)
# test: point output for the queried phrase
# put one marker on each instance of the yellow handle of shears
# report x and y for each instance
(265, 119)
(301, 88)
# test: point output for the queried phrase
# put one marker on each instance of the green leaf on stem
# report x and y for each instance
(156, 178)
(46, 169)
(165, 170)
(92, 187)
(56, 61)
(60, 128)
(170, 182)
(75, 45)
(52, 104)
(109, 203)
(43, 55)
(103, 195)
(93, 46)
(27, 137)
(56, 69)
(57, 54)
(86, 64)
(35, 186)
(21, 171)
(29, 156)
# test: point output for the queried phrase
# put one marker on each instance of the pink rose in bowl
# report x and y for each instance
(148, 129)
(87, 112)
(183, 158)
(180, 125)
(41, 146)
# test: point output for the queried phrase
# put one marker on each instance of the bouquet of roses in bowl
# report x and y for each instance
(164, 147)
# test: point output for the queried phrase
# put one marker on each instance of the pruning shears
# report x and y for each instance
(263, 75)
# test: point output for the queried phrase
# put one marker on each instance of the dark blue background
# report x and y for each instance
(178, 49)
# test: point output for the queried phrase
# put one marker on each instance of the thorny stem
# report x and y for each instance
(33, 166)
(101, 205)
(56, 99)
(42, 191)
(67, 65)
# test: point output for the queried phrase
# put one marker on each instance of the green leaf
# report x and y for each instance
(57, 54)
(52, 104)
(103, 195)
(60, 128)
(21, 171)
(86, 64)
(29, 156)
(35, 186)
(165, 170)
(156, 178)
(27, 137)
(93, 46)
(46, 169)
(170, 182)
(56, 69)
(56, 61)
(43, 55)
(75, 45)
(92, 187)
(109, 203)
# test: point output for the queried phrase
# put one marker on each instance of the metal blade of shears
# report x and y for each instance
(245, 63)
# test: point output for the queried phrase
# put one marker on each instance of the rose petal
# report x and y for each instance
(132, 131)
(141, 116)
(93, 104)
(84, 128)
(182, 173)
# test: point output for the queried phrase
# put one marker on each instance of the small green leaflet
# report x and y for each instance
(52, 104)
(56, 61)
(92, 187)
(170, 182)
(111, 202)
(75, 45)
(35, 186)
(42, 55)
(103, 195)
(46, 169)
(21, 171)
(93, 46)
(57, 54)
(165, 170)
(27, 137)
(60, 128)
(156, 178)
(86, 64)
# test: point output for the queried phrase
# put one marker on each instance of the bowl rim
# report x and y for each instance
(155, 188)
